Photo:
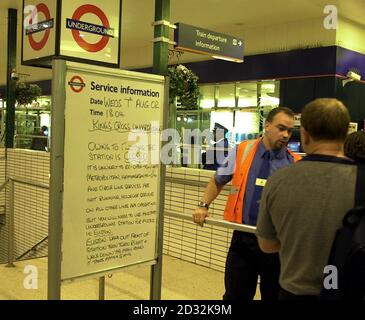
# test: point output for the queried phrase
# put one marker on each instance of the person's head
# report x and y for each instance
(324, 121)
(219, 131)
(355, 146)
(278, 127)
(44, 129)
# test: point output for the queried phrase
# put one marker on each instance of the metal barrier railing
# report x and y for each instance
(192, 183)
(26, 140)
(213, 222)
(11, 181)
(209, 220)
(33, 248)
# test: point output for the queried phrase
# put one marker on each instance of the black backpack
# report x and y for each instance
(348, 250)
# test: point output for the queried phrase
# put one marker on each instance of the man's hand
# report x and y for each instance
(199, 215)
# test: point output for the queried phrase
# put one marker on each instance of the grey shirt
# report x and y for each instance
(302, 206)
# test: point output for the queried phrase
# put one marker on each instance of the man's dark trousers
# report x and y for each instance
(245, 262)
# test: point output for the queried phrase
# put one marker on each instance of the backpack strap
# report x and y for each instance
(360, 186)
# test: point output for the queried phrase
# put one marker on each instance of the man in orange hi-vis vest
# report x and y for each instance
(248, 167)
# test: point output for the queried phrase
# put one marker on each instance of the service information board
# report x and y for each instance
(111, 182)
(39, 29)
(90, 30)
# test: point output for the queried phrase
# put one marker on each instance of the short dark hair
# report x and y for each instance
(355, 145)
(326, 119)
(277, 110)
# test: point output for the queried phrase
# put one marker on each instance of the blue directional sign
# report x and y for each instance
(199, 40)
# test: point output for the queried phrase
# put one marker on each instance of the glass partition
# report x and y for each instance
(223, 117)
(226, 96)
(247, 126)
(247, 94)
(270, 92)
(29, 121)
(207, 96)
(241, 107)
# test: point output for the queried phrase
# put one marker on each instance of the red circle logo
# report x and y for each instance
(41, 7)
(90, 47)
(76, 84)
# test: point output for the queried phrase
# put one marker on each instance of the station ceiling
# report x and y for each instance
(231, 17)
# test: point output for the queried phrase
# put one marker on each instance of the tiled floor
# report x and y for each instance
(181, 281)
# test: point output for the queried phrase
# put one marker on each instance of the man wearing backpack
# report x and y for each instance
(303, 205)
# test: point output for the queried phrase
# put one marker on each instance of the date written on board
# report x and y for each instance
(147, 104)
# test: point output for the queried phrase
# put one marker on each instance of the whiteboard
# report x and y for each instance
(111, 188)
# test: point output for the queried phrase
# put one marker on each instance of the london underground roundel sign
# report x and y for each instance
(39, 45)
(76, 84)
(77, 25)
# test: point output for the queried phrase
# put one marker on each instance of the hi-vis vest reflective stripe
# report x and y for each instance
(245, 154)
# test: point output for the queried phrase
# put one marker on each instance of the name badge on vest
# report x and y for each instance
(261, 182)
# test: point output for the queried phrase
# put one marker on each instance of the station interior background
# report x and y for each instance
(274, 32)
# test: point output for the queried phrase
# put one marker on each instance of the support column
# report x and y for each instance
(161, 49)
(160, 66)
(10, 83)
(56, 181)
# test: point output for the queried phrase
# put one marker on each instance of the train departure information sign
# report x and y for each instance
(199, 40)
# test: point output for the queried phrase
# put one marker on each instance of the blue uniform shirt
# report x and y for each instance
(278, 159)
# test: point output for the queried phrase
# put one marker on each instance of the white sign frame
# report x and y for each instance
(71, 238)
